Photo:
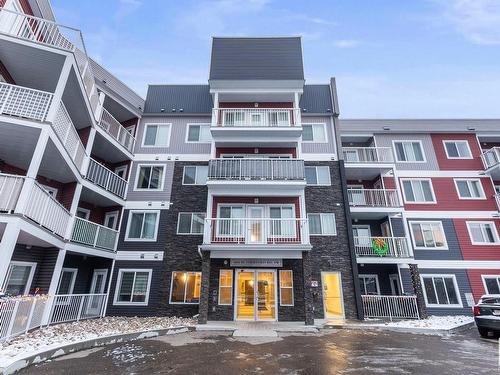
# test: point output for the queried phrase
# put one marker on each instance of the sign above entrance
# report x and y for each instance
(256, 262)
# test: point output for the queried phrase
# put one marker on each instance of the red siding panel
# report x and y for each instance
(457, 164)
(475, 252)
(476, 281)
(260, 105)
(251, 200)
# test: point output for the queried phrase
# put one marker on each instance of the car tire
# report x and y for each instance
(483, 332)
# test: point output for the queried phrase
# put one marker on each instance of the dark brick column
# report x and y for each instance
(417, 288)
(205, 287)
(308, 297)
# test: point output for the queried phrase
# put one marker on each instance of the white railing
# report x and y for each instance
(256, 169)
(105, 178)
(401, 307)
(373, 197)
(45, 210)
(66, 131)
(93, 234)
(75, 307)
(497, 199)
(256, 231)
(10, 188)
(116, 130)
(255, 117)
(367, 155)
(24, 102)
(388, 247)
(491, 157)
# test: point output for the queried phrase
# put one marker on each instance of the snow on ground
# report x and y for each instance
(67, 333)
(432, 322)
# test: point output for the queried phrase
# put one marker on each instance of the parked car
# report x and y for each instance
(487, 314)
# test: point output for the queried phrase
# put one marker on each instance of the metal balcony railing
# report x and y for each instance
(367, 155)
(105, 178)
(373, 197)
(66, 131)
(256, 169)
(116, 130)
(10, 188)
(92, 234)
(255, 117)
(24, 102)
(402, 307)
(387, 247)
(491, 157)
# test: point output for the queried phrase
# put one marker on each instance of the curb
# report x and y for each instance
(422, 331)
(53, 351)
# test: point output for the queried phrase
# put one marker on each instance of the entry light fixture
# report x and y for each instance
(162, 110)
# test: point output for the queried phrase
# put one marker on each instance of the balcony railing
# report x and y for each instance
(401, 307)
(75, 307)
(386, 247)
(66, 131)
(10, 188)
(92, 234)
(497, 199)
(256, 169)
(105, 178)
(491, 157)
(367, 155)
(24, 102)
(256, 231)
(373, 197)
(255, 117)
(117, 131)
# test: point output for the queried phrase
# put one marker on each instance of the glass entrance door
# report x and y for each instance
(332, 295)
(256, 295)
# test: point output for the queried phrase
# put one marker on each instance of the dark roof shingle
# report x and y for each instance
(190, 98)
(316, 99)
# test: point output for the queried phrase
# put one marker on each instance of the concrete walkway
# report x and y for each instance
(257, 329)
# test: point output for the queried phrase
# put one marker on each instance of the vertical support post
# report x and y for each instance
(73, 208)
(108, 289)
(417, 287)
(308, 295)
(205, 288)
(7, 247)
(59, 91)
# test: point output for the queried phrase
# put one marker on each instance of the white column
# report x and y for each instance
(54, 282)
(88, 150)
(58, 93)
(7, 246)
(108, 290)
(74, 207)
(100, 106)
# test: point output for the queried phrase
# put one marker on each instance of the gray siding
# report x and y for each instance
(320, 148)
(153, 195)
(382, 271)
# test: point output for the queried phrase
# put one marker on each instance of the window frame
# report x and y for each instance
(74, 272)
(484, 277)
(29, 281)
(323, 124)
(129, 222)
(208, 125)
(394, 141)
(370, 275)
(146, 125)
(118, 285)
(322, 214)
(316, 168)
(286, 287)
(420, 222)
(138, 171)
(185, 288)
(467, 180)
(437, 305)
(196, 175)
(495, 233)
(191, 228)
(446, 141)
(402, 180)
(227, 287)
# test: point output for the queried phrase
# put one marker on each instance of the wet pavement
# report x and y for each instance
(326, 352)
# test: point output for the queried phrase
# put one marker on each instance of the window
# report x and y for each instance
(409, 151)
(369, 284)
(428, 235)
(228, 227)
(286, 288)
(67, 281)
(314, 133)
(133, 287)
(317, 175)
(185, 287)
(199, 133)
(142, 226)
(418, 191)
(441, 291)
(457, 149)
(322, 224)
(149, 177)
(280, 227)
(83, 213)
(195, 175)
(225, 287)
(491, 284)
(482, 233)
(469, 189)
(51, 190)
(190, 223)
(156, 135)
(121, 171)
(19, 277)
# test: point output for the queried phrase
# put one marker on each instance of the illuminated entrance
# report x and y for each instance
(255, 294)
(332, 295)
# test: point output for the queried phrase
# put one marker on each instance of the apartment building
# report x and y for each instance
(424, 198)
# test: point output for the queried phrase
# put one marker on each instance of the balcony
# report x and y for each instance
(381, 247)
(373, 203)
(107, 179)
(367, 162)
(491, 162)
(94, 235)
(117, 131)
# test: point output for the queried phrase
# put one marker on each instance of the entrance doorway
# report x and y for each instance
(255, 228)
(95, 303)
(255, 295)
(332, 295)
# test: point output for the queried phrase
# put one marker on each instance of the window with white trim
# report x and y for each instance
(149, 177)
(457, 149)
(318, 175)
(322, 224)
(284, 223)
(409, 151)
(418, 191)
(19, 277)
(314, 133)
(441, 291)
(428, 235)
(67, 281)
(482, 232)
(142, 226)
(491, 284)
(369, 284)
(286, 288)
(185, 287)
(225, 287)
(469, 189)
(133, 287)
(199, 133)
(195, 175)
(156, 135)
(190, 223)
(227, 226)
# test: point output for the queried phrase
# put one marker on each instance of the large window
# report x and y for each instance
(195, 175)
(457, 149)
(133, 287)
(483, 232)
(186, 287)
(225, 287)
(322, 224)
(469, 189)
(369, 284)
(286, 288)
(317, 175)
(227, 226)
(142, 226)
(428, 235)
(190, 223)
(314, 133)
(441, 291)
(284, 221)
(199, 133)
(67, 281)
(418, 191)
(149, 177)
(409, 151)
(19, 277)
(491, 284)
(156, 135)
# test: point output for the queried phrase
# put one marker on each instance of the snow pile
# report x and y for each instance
(67, 333)
(432, 322)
